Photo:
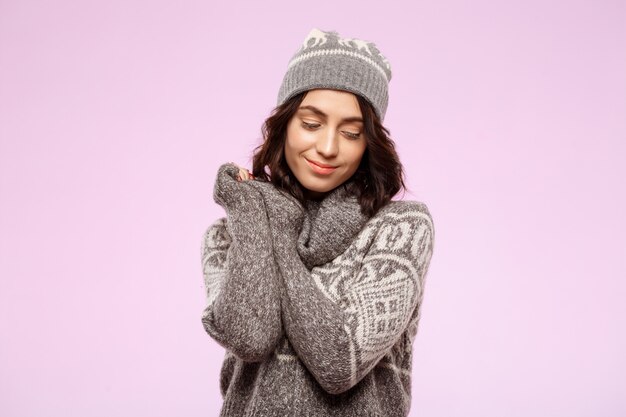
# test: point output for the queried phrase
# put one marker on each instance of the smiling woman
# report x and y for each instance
(315, 277)
(337, 135)
(324, 144)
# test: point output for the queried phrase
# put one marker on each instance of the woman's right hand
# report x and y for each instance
(231, 190)
(244, 174)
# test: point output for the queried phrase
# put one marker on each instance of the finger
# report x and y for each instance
(243, 174)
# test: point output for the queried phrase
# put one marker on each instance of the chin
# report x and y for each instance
(312, 186)
(318, 185)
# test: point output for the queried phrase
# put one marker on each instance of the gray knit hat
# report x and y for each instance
(325, 60)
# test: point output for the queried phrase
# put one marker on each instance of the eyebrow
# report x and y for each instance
(322, 114)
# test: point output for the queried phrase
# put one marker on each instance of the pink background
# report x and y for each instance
(510, 119)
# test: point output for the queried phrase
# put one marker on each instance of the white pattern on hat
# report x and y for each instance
(360, 44)
(327, 60)
(319, 37)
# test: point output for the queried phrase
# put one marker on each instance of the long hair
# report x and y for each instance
(378, 178)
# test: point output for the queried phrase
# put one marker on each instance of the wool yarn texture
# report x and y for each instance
(316, 305)
(327, 60)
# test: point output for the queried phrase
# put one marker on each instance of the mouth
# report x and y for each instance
(320, 168)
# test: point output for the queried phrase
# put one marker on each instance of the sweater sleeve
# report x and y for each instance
(242, 310)
(343, 317)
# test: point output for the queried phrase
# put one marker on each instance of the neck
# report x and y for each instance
(330, 225)
(314, 195)
(319, 195)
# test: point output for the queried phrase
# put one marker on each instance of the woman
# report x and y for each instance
(315, 277)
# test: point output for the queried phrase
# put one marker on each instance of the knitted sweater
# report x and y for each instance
(317, 306)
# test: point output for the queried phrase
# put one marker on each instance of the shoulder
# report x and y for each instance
(403, 206)
(216, 235)
(404, 210)
(216, 227)
(402, 230)
(405, 220)
(399, 221)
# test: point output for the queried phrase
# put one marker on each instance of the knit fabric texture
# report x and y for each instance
(327, 60)
(317, 306)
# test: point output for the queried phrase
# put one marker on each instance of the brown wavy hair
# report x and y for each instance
(378, 178)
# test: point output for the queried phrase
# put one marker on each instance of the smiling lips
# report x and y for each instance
(320, 168)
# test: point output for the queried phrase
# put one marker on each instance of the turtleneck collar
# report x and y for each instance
(330, 225)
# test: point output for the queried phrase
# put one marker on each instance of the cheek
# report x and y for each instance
(297, 141)
(292, 148)
(354, 155)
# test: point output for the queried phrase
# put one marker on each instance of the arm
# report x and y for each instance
(343, 317)
(243, 302)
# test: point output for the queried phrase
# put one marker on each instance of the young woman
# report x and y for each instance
(315, 277)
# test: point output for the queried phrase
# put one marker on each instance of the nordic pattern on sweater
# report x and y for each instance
(378, 282)
(318, 304)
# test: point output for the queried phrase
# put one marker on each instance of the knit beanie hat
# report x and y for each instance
(326, 60)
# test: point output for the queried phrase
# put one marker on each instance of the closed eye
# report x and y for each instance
(310, 125)
(313, 126)
(352, 135)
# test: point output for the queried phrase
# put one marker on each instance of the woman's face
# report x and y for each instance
(327, 130)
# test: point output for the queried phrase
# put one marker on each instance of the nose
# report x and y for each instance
(327, 145)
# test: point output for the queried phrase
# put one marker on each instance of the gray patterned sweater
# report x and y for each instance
(316, 306)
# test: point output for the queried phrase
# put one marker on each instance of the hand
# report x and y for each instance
(233, 193)
(244, 174)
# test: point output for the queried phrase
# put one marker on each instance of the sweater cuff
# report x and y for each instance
(234, 195)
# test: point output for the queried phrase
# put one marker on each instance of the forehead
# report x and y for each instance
(334, 103)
